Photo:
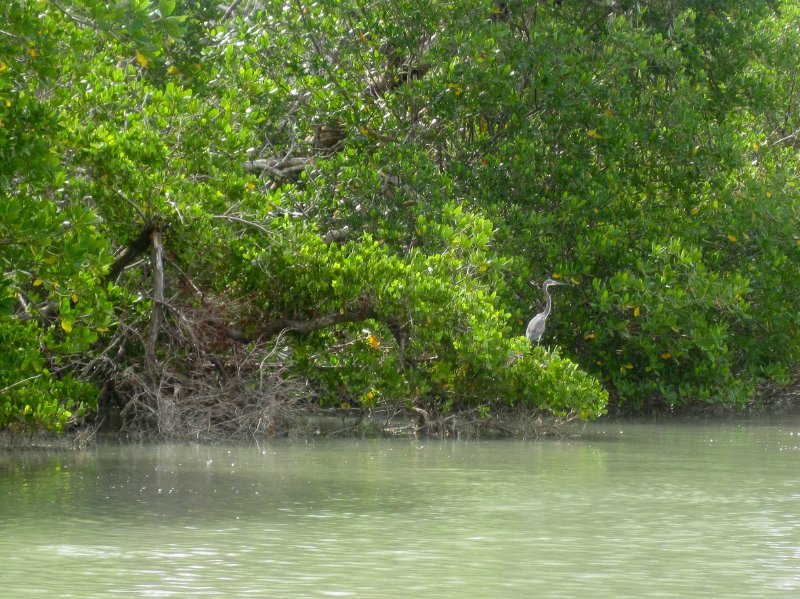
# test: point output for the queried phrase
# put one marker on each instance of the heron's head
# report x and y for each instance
(550, 282)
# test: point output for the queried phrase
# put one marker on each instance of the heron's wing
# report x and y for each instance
(536, 327)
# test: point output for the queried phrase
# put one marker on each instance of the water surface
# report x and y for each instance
(626, 510)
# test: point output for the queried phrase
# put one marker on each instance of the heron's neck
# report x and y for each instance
(549, 303)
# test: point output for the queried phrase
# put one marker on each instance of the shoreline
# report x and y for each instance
(344, 424)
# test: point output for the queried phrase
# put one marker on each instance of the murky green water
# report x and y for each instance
(628, 510)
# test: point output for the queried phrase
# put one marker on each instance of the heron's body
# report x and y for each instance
(536, 325)
(535, 328)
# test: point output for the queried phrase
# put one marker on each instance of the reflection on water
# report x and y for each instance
(626, 510)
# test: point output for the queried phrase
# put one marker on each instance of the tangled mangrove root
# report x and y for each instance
(185, 405)
(201, 385)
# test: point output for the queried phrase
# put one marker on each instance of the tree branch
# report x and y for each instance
(279, 168)
(230, 10)
(365, 311)
(131, 252)
(158, 302)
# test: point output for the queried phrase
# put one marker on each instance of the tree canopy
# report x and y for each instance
(208, 212)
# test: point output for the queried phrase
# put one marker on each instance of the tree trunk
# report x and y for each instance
(157, 258)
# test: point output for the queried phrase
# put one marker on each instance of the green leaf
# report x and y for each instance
(166, 7)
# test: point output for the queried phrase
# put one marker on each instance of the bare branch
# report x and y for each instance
(130, 252)
(230, 10)
(12, 385)
(238, 219)
(789, 137)
(279, 168)
(158, 302)
(365, 311)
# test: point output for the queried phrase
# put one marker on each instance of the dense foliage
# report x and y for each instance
(358, 196)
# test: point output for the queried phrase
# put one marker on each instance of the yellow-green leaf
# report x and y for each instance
(66, 325)
(455, 87)
(142, 59)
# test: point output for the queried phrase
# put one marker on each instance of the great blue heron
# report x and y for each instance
(536, 325)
